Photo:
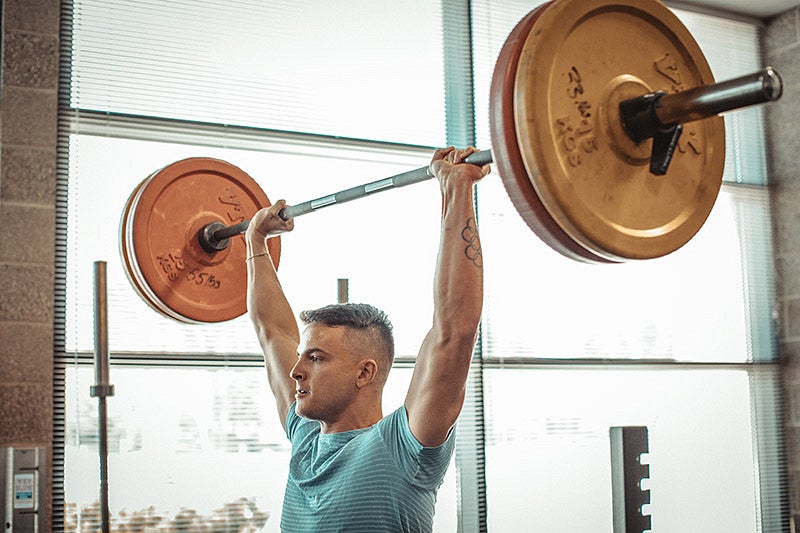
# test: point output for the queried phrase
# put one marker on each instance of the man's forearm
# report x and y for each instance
(458, 296)
(267, 305)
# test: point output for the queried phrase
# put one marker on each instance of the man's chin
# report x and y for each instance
(302, 410)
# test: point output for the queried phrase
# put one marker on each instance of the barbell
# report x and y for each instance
(605, 132)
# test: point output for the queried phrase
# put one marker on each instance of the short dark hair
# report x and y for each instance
(362, 317)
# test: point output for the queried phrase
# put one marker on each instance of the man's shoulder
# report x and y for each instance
(397, 416)
(395, 423)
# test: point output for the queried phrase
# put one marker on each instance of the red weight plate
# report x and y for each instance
(160, 249)
(506, 152)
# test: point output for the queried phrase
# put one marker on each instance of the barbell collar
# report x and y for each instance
(664, 145)
(215, 236)
(210, 241)
(652, 114)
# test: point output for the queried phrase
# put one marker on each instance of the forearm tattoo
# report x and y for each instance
(473, 248)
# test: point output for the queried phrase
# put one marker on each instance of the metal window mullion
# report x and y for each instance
(460, 131)
(61, 359)
(458, 72)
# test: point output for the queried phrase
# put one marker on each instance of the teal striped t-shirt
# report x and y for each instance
(371, 480)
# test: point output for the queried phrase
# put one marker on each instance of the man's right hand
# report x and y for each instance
(448, 166)
(266, 223)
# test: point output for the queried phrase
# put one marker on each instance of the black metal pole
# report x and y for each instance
(628, 443)
(102, 388)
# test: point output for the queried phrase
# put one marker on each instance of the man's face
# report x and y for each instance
(325, 373)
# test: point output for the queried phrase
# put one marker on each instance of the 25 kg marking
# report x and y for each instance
(203, 278)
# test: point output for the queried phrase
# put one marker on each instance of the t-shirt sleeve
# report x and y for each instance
(424, 466)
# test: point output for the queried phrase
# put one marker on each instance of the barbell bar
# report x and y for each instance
(216, 236)
(579, 89)
(643, 117)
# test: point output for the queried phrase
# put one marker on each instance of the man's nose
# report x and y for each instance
(296, 372)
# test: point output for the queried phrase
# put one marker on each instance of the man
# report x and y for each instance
(351, 468)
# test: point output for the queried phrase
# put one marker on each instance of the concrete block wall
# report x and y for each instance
(782, 50)
(28, 125)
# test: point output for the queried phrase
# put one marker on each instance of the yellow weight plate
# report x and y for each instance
(582, 58)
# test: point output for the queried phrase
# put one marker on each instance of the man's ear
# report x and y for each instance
(368, 372)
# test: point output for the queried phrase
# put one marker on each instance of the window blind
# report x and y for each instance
(362, 69)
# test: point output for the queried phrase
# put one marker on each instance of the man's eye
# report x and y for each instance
(314, 358)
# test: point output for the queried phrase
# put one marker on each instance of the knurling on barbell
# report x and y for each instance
(618, 157)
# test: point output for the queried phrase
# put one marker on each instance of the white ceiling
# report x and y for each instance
(752, 8)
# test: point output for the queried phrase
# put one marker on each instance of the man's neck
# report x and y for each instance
(353, 419)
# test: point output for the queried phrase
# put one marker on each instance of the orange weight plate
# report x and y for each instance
(159, 245)
(129, 261)
(582, 58)
(506, 153)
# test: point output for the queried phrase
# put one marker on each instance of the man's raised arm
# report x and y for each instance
(438, 386)
(272, 316)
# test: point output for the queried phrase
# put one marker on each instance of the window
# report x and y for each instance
(203, 446)
(339, 243)
(209, 411)
(363, 70)
(699, 430)
(150, 84)
(312, 97)
(571, 350)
